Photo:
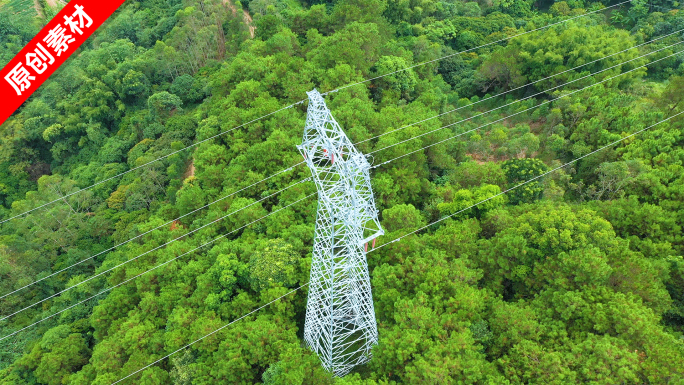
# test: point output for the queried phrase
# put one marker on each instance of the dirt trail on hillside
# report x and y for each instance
(248, 20)
(190, 171)
(39, 9)
(246, 17)
(51, 3)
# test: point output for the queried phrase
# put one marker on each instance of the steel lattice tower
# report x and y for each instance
(340, 321)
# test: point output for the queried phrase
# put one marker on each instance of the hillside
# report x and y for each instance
(149, 149)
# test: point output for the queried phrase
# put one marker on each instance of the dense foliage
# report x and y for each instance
(577, 277)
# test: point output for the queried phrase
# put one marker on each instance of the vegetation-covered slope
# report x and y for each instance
(577, 277)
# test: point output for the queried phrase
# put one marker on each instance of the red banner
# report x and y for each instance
(49, 49)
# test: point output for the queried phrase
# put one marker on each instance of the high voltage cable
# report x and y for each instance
(207, 335)
(154, 249)
(101, 273)
(290, 168)
(195, 144)
(399, 238)
(478, 47)
(363, 141)
(396, 240)
(150, 162)
(532, 179)
(294, 104)
(506, 191)
(403, 236)
(147, 232)
(519, 112)
(517, 88)
(156, 267)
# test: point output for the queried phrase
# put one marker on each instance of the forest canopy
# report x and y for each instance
(142, 152)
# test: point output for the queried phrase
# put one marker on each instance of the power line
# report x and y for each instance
(424, 227)
(517, 113)
(517, 88)
(530, 180)
(478, 47)
(300, 102)
(61, 198)
(365, 140)
(521, 184)
(403, 236)
(207, 335)
(150, 162)
(154, 249)
(386, 162)
(156, 267)
(282, 190)
(149, 231)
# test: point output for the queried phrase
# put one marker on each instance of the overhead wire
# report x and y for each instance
(296, 103)
(154, 249)
(424, 227)
(375, 166)
(531, 179)
(359, 142)
(207, 335)
(302, 180)
(519, 112)
(403, 236)
(150, 162)
(478, 47)
(65, 196)
(441, 219)
(362, 141)
(517, 88)
(154, 268)
(254, 120)
(149, 231)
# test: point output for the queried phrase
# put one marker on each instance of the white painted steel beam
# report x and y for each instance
(340, 321)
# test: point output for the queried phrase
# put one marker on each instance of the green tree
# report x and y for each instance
(533, 57)
(671, 99)
(273, 265)
(61, 353)
(520, 171)
(135, 84)
(187, 88)
(163, 104)
(402, 82)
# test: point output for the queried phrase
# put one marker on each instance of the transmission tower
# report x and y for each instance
(340, 321)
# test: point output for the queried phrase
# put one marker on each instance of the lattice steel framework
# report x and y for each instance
(340, 322)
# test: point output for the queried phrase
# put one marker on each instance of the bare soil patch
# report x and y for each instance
(248, 21)
(190, 171)
(246, 17)
(39, 9)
